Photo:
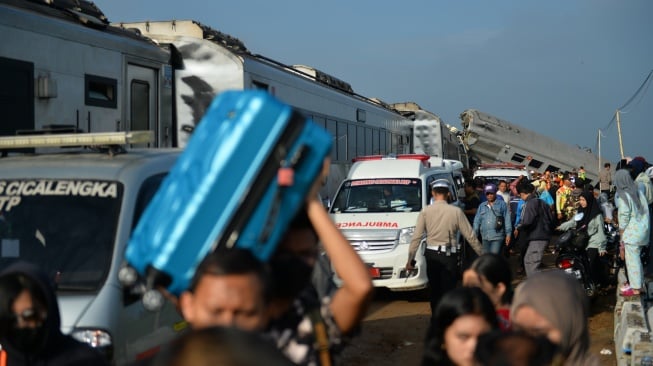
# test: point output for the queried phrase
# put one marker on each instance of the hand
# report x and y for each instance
(559, 216)
(602, 253)
(410, 266)
(507, 240)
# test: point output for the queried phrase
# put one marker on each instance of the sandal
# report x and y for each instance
(628, 292)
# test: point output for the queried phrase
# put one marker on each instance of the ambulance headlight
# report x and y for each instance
(96, 338)
(405, 235)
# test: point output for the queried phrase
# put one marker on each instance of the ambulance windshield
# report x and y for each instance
(66, 227)
(379, 195)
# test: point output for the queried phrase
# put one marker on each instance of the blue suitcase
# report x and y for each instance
(226, 189)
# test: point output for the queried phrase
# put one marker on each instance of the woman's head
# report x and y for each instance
(491, 273)
(460, 317)
(553, 304)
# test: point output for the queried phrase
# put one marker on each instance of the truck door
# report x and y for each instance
(142, 98)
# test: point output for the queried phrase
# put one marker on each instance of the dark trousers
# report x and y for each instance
(443, 273)
(597, 269)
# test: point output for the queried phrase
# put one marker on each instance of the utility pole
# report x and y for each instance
(621, 145)
(599, 151)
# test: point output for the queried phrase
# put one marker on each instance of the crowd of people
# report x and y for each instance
(547, 314)
(242, 311)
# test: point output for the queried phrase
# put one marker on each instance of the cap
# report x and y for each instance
(440, 183)
(490, 188)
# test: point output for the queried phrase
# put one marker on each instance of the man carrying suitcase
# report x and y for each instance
(307, 328)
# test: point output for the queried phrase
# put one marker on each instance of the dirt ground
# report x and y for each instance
(393, 331)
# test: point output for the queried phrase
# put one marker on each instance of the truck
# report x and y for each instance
(71, 212)
(376, 208)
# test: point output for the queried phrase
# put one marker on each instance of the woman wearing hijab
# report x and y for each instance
(592, 223)
(553, 304)
(633, 216)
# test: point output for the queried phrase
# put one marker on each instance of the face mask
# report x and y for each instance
(30, 340)
(290, 275)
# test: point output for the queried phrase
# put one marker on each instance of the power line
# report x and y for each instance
(644, 87)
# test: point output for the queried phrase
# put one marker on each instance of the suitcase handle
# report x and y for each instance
(285, 178)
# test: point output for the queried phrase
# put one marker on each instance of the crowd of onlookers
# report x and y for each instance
(242, 311)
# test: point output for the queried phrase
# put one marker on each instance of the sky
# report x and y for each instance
(559, 67)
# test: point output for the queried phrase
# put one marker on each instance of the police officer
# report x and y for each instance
(441, 222)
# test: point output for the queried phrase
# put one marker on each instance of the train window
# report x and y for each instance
(331, 127)
(100, 91)
(535, 163)
(361, 115)
(140, 108)
(351, 140)
(552, 168)
(320, 121)
(375, 142)
(259, 85)
(518, 158)
(396, 141)
(360, 141)
(342, 141)
(384, 140)
(368, 141)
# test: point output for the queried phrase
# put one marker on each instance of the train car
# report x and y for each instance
(490, 139)
(207, 62)
(431, 136)
(63, 66)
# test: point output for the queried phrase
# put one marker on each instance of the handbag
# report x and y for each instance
(581, 239)
(500, 220)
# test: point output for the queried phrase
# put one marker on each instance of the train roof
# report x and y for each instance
(82, 12)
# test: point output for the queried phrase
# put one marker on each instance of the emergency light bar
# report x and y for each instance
(422, 157)
(77, 139)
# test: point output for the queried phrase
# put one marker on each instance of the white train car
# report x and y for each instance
(207, 62)
(490, 139)
(63, 66)
(431, 136)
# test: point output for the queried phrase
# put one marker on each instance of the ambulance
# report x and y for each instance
(376, 208)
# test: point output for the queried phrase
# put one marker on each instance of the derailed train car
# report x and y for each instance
(490, 139)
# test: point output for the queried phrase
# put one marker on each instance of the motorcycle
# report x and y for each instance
(572, 258)
(611, 259)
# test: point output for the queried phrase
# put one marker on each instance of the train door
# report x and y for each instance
(16, 96)
(142, 98)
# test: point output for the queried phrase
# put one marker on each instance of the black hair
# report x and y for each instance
(606, 165)
(11, 285)
(220, 346)
(441, 190)
(232, 261)
(454, 304)
(302, 221)
(525, 187)
(496, 269)
(498, 348)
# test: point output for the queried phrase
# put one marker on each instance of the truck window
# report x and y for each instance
(379, 195)
(67, 227)
(145, 194)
